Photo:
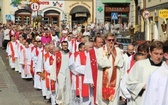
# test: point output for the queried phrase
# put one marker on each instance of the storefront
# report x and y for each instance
(79, 15)
(79, 12)
(121, 8)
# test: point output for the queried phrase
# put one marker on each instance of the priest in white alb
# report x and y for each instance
(157, 85)
(110, 61)
(139, 73)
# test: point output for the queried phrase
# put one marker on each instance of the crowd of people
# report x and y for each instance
(78, 69)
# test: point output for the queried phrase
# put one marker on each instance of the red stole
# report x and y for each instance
(131, 63)
(12, 51)
(94, 68)
(25, 62)
(108, 89)
(74, 43)
(36, 52)
(21, 47)
(31, 65)
(58, 66)
(85, 88)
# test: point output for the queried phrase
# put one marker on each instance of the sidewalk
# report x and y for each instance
(9, 94)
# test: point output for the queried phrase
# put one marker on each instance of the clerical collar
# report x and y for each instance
(153, 64)
(129, 54)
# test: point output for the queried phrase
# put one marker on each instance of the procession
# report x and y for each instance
(83, 52)
(78, 69)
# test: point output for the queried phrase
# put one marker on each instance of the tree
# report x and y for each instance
(15, 3)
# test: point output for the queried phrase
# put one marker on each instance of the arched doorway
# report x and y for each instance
(79, 15)
(51, 17)
(23, 16)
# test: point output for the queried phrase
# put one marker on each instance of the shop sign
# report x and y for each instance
(44, 2)
(80, 15)
(163, 13)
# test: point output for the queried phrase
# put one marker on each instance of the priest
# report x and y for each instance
(60, 75)
(110, 61)
(157, 85)
(139, 73)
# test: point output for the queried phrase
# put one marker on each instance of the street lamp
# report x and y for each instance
(131, 29)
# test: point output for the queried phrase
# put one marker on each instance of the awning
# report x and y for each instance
(79, 9)
(115, 1)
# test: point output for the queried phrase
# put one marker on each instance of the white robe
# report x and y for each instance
(9, 52)
(19, 56)
(48, 68)
(26, 57)
(157, 87)
(136, 80)
(80, 69)
(62, 80)
(103, 62)
(124, 92)
(73, 100)
(43, 83)
(38, 68)
(88, 75)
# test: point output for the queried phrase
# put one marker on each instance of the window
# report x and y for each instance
(46, 20)
(27, 19)
(18, 19)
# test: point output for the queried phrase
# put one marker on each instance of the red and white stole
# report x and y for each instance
(12, 52)
(109, 89)
(85, 87)
(131, 63)
(74, 44)
(58, 66)
(94, 67)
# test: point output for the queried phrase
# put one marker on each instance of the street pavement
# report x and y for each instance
(14, 90)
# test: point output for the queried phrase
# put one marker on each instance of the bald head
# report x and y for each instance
(130, 49)
(88, 45)
(51, 48)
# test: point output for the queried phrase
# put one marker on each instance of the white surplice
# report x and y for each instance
(62, 80)
(73, 80)
(38, 69)
(21, 46)
(103, 62)
(80, 69)
(48, 68)
(25, 59)
(124, 91)
(88, 75)
(9, 52)
(157, 87)
(136, 80)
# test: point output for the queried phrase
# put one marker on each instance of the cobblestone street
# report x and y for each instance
(14, 90)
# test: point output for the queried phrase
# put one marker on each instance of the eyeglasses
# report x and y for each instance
(111, 40)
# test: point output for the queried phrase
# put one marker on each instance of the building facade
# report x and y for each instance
(48, 11)
(154, 22)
